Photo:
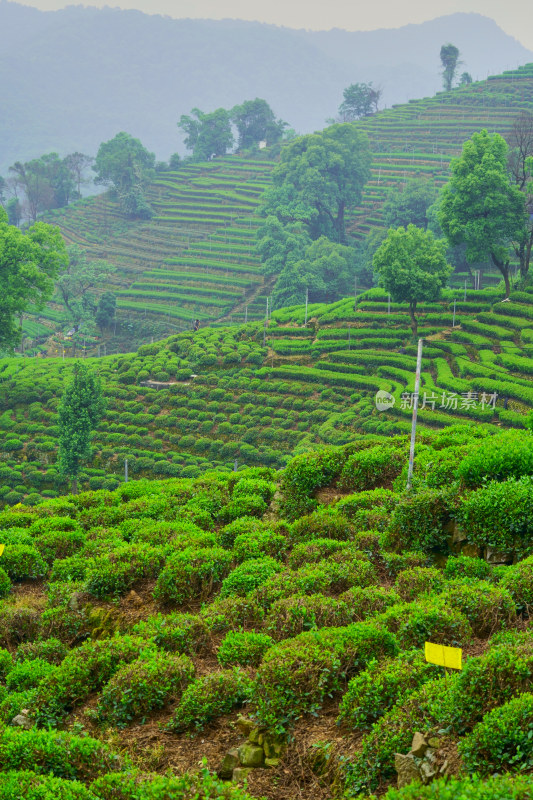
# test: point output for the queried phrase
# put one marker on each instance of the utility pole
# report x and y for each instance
(246, 313)
(465, 291)
(453, 322)
(388, 308)
(415, 415)
(126, 470)
(306, 304)
(355, 296)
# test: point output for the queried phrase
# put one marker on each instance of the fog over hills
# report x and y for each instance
(75, 77)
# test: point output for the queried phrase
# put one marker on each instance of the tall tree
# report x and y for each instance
(465, 79)
(256, 122)
(410, 205)
(480, 207)
(106, 310)
(325, 172)
(412, 267)
(76, 283)
(207, 135)
(520, 169)
(126, 165)
(80, 410)
(29, 263)
(278, 244)
(77, 164)
(449, 56)
(45, 183)
(360, 100)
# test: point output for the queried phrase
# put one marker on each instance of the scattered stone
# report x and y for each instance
(22, 720)
(250, 755)
(261, 739)
(434, 742)
(229, 762)
(240, 774)
(272, 762)
(494, 556)
(406, 768)
(444, 767)
(74, 602)
(134, 598)
(419, 745)
(427, 772)
(245, 725)
(254, 735)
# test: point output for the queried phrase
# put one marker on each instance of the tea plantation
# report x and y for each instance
(261, 633)
(196, 401)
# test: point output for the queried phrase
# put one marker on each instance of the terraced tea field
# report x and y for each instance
(197, 401)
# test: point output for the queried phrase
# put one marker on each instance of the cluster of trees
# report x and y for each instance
(42, 184)
(320, 176)
(211, 134)
(359, 100)
(449, 57)
(124, 164)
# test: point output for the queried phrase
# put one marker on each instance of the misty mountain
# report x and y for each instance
(73, 78)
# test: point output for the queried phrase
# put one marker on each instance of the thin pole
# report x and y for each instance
(453, 323)
(126, 471)
(355, 296)
(415, 414)
(465, 291)
(349, 336)
(306, 304)
(388, 310)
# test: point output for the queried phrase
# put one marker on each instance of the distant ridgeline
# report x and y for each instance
(197, 400)
(195, 259)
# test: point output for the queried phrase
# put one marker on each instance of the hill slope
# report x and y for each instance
(78, 76)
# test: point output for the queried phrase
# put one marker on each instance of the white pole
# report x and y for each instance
(126, 471)
(453, 323)
(349, 337)
(415, 415)
(388, 309)
(355, 296)
(465, 291)
(306, 304)
(246, 314)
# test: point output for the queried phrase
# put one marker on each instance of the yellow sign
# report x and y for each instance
(450, 657)
(2, 548)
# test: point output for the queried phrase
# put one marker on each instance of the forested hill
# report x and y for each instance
(77, 76)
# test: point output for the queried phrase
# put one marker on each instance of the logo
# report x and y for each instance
(384, 400)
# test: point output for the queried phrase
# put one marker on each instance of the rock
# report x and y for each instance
(419, 745)
(272, 762)
(458, 534)
(494, 556)
(406, 768)
(430, 755)
(134, 598)
(240, 774)
(261, 739)
(250, 755)
(434, 742)
(268, 748)
(471, 550)
(74, 601)
(245, 725)
(22, 720)
(427, 772)
(444, 767)
(254, 735)
(229, 762)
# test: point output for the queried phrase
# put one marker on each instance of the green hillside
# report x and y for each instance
(195, 258)
(173, 639)
(194, 401)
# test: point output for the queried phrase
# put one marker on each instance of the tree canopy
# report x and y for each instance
(412, 267)
(360, 100)
(449, 56)
(76, 283)
(323, 174)
(29, 263)
(278, 244)
(207, 135)
(126, 165)
(409, 205)
(480, 207)
(256, 122)
(520, 162)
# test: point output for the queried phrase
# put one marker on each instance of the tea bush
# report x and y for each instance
(518, 581)
(410, 583)
(209, 697)
(474, 787)
(15, 784)
(256, 544)
(229, 613)
(293, 615)
(427, 620)
(192, 574)
(177, 633)
(249, 575)
(144, 685)
(23, 562)
(418, 521)
(487, 608)
(243, 648)
(322, 524)
(467, 567)
(28, 674)
(506, 455)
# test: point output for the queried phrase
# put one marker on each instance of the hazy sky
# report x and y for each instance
(513, 16)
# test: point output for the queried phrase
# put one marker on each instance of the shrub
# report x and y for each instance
(500, 515)
(143, 686)
(6, 663)
(373, 498)
(244, 525)
(487, 608)
(467, 567)
(245, 648)
(58, 753)
(380, 686)
(474, 787)
(211, 696)
(227, 613)
(245, 505)
(256, 544)
(121, 569)
(427, 620)
(30, 786)
(394, 563)
(18, 623)
(28, 674)
(74, 568)
(413, 582)
(419, 520)
(313, 551)
(506, 455)
(503, 740)
(518, 581)
(192, 574)
(368, 601)
(132, 786)
(5, 583)
(292, 615)
(370, 468)
(250, 486)
(304, 475)
(296, 675)
(249, 575)
(22, 562)
(51, 650)
(55, 544)
(177, 633)
(323, 524)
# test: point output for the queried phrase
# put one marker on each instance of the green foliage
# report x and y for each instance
(293, 615)
(467, 567)
(51, 650)
(134, 786)
(209, 134)
(487, 608)
(227, 613)
(409, 205)
(360, 100)
(427, 620)
(506, 455)
(126, 165)
(180, 633)
(518, 581)
(28, 674)
(322, 524)
(474, 787)
(255, 122)
(503, 740)
(419, 520)
(25, 783)
(5, 583)
(22, 562)
(370, 468)
(192, 574)
(209, 697)
(244, 648)
(114, 573)
(500, 515)
(144, 685)
(411, 583)
(249, 575)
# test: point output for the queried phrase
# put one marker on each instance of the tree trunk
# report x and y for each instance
(339, 223)
(414, 321)
(504, 269)
(74, 486)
